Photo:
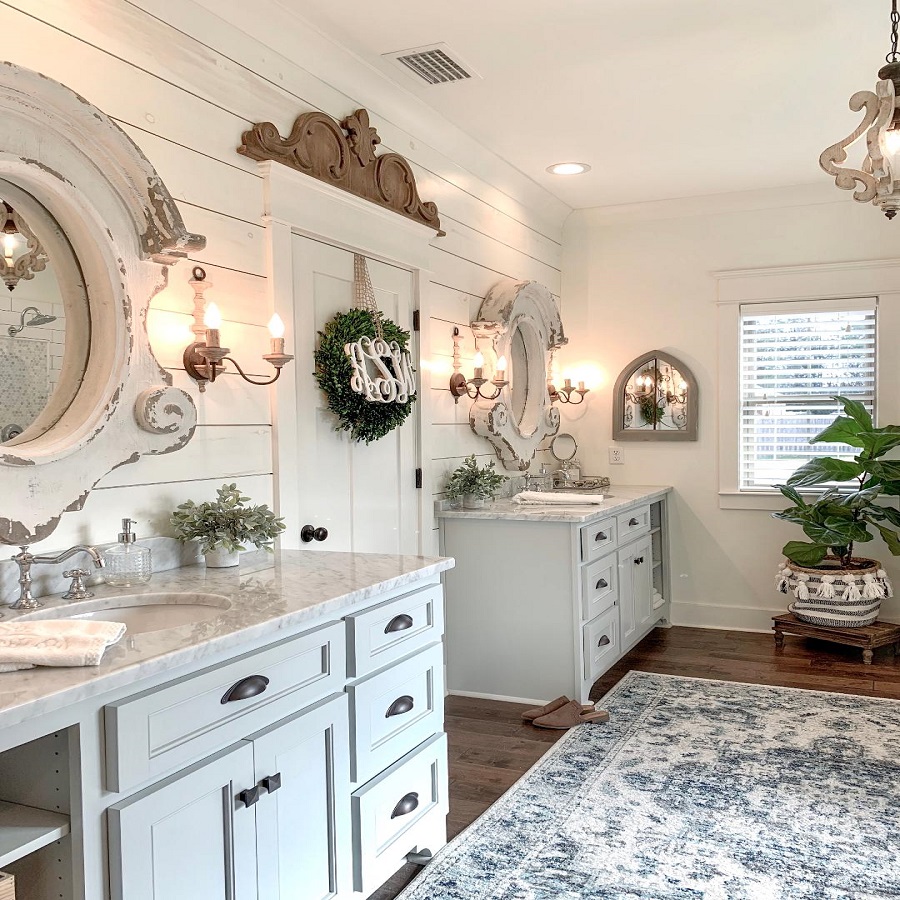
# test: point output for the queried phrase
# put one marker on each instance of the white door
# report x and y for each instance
(192, 837)
(304, 843)
(364, 495)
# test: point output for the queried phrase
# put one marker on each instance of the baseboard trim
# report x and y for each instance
(479, 696)
(723, 618)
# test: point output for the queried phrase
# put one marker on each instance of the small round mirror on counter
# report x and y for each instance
(564, 447)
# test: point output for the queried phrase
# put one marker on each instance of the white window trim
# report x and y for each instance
(835, 281)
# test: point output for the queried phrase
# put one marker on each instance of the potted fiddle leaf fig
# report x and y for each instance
(831, 586)
(226, 525)
(473, 483)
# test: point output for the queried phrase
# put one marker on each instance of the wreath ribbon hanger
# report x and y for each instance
(382, 370)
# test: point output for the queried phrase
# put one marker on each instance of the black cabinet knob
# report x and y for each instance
(249, 796)
(603, 641)
(400, 706)
(405, 805)
(246, 688)
(311, 533)
(399, 623)
(638, 560)
(271, 783)
(602, 583)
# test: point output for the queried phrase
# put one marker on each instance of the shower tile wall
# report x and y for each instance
(24, 380)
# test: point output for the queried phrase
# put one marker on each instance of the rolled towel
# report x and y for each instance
(545, 497)
(55, 642)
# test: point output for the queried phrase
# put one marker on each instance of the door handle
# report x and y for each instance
(602, 583)
(271, 783)
(405, 805)
(400, 706)
(249, 796)
(399, 623)
(246, 688)
(311, 533)
(603, 641)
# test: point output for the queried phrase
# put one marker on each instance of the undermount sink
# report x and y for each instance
(141, 613)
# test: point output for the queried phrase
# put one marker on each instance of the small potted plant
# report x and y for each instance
(473, 483)
(224, 526)
(831, 585)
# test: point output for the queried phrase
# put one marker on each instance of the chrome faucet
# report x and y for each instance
(26, 560)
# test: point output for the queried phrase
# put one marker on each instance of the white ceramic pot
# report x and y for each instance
(221, 558)
(473, 501)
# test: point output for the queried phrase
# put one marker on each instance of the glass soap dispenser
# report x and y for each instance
(126, 563)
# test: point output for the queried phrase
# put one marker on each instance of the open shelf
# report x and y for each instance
(24, 829)
(657, 563)
(656, 529)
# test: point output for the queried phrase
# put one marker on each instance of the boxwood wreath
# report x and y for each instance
(364, 420)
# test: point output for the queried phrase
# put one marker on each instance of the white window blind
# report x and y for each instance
(794, 358)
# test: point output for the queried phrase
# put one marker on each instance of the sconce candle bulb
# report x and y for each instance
(204, 359)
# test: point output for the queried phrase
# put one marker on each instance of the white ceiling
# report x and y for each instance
(663, 98)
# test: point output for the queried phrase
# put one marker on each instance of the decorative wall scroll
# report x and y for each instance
(518, 320)
(655, 399)
(318, 146)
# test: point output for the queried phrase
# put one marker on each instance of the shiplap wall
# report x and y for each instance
(184, 83)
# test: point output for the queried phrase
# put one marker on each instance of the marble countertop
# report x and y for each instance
(618, 498)
(267, 594)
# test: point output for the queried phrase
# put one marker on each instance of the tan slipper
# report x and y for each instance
(569, 716)
(531, 714)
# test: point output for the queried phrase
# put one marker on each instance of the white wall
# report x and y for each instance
(184, 84)
(638, 279)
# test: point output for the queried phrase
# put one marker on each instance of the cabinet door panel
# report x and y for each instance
(189, 837)
(627, 615)
(303, 824)
(642, 586)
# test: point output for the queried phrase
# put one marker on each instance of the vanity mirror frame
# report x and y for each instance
(525, 309)
(124, 230)
(691, 407)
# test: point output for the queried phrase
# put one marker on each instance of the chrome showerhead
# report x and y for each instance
(38, 318)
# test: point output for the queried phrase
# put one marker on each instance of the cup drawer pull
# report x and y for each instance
(405, 805)
(246, 688)
(603, 641)
(602, 583)
(600, 536)
(399, 623)
(400, 706)
(632, 522)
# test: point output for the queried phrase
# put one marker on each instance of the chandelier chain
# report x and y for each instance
(893, 56)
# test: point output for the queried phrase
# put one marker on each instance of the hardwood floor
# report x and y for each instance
(490, 747)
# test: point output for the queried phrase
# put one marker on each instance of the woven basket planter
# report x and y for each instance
(830, 595)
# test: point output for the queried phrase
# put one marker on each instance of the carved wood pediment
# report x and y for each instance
(343, 154)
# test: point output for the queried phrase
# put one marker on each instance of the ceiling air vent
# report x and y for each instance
(434, 64)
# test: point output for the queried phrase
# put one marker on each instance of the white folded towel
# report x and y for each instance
(546, 497)
(55, 642)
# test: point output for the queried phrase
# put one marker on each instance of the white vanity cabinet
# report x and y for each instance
(543, 600)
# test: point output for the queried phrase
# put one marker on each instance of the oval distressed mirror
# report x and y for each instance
(86, 393)
(655, 399)
(518, 320)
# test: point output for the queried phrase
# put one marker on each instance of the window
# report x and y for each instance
(794, 357)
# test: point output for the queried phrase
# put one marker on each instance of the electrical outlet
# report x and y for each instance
(616, 456)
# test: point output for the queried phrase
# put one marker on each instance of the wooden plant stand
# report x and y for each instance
(868, 638)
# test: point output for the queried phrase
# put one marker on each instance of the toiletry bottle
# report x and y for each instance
(126, 563)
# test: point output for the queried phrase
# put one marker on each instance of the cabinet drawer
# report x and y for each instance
(634, 523)
(401, 811)
(599, 586)
(385, 633)
(394, 710)
(160, 730)
(598, 539)
(601, 643)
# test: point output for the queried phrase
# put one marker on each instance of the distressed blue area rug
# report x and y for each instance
(695, 789)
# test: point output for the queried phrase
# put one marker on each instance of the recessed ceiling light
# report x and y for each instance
(568, 168)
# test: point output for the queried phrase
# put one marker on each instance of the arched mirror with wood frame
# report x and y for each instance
(655, 399)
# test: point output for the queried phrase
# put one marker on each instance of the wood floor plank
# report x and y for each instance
(490, 747)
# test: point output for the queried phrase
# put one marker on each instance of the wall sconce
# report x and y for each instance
(566, 392)
(474, 387)
(205, 358)
(23, 254)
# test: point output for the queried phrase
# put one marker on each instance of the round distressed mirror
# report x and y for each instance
(563, 447)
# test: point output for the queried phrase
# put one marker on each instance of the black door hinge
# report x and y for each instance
(418, 478)
(417, 324)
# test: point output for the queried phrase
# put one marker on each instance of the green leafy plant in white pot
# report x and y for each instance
(226, 526)
(473, 484)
